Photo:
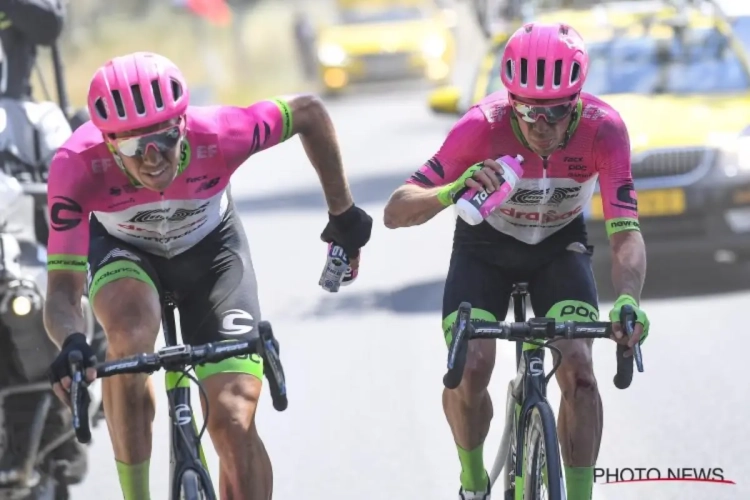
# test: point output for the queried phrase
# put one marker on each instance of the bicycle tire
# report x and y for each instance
(191, 487)
(542, 450)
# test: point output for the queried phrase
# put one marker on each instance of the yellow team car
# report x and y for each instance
(681, 82)
(386, 39)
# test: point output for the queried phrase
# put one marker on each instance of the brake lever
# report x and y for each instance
(79, 397)
(628, 321)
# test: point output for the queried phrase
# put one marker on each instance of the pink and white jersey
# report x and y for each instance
(84, 179)
(552, 190)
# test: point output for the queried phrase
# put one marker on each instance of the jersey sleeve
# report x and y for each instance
(468, 142)
(246, 131)
(612, 157)
(69, 190)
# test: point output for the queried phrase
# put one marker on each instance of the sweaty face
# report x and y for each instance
(151, 154)
(543, 135)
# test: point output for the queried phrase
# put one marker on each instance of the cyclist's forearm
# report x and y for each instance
(411, 205)
(63, 315)
(318, 137)
(628, 263)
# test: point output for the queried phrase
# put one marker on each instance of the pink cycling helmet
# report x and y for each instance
(137, 90)
(544, 61)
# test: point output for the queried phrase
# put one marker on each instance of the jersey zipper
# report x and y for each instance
(164, 224)
(545, 193)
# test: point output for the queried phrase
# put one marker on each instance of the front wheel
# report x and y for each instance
(191, 487)
(543, 478)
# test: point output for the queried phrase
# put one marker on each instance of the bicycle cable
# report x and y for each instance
(555, 362)
(202, 395)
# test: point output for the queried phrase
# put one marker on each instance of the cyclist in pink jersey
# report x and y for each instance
(139, 197)
(569, 140)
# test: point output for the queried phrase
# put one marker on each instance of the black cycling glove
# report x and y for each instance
(60, 367)
(351, 230)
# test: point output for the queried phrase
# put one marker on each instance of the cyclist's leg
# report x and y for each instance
(468, 408)
(223, 304)
(565, 289)
(123, 291)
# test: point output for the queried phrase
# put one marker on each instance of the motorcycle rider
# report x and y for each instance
(24, 25)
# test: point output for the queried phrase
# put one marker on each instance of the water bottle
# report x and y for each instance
(336, 272)
(475, 205)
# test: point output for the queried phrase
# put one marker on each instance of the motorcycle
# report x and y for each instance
(36, 436)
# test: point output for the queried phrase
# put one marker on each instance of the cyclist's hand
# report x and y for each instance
(479, 176)
(351, 230)
(59, 371)
(485, 177)
(640, 331)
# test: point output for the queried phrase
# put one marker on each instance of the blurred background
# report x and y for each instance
(367, 423)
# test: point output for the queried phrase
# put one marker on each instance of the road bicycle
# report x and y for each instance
(529, 450)
(189, 477)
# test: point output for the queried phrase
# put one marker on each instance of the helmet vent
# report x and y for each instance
(509, 69)
(119, 105)
(176, 90)
(540, 65)
(140, 107)
(524, 76)
(101, 108)
(558, 73)
(575, 73)
(158, 97)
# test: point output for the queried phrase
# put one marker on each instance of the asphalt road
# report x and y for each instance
(364, 366)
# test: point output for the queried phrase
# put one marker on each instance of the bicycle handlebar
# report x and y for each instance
(465, 329)
(177, 358)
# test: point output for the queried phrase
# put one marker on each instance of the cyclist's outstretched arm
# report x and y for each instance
(67, 250)
(272, 122)
(311, 121)
(621, 208)
(427, 192)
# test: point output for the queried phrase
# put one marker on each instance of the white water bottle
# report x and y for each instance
(476, 204)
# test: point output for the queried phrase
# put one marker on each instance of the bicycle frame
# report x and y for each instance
(529, 388)
(186, 452)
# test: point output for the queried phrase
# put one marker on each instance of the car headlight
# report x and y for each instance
(434, 46)
(743, 153)
(331, 54)
(735, 153)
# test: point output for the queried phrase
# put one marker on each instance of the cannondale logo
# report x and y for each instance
(536, 196)
(237, 322)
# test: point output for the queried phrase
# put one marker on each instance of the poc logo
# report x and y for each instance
(580, 310)
(237, 322)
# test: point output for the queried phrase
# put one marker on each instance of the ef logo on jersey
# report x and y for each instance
(237, 322)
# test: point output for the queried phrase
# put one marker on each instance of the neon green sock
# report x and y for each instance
(473, 475)
(134, 480)
(579, 482)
